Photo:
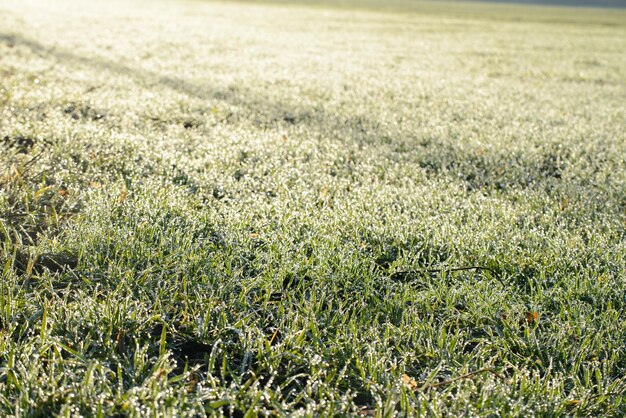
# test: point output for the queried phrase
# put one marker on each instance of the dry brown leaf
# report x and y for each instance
(410, 382)
(532, 317)
(122, 196)
(573, 402)
(119, 341)
(193, 382)
(367, 412)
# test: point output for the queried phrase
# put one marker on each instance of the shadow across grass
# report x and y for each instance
(492, 172)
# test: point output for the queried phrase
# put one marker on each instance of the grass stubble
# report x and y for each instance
(273, 209)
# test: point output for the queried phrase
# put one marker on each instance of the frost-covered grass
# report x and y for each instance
(271, 209)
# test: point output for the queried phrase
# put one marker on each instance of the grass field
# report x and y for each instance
(267, 209)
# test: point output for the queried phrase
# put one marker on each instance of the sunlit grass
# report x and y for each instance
(272, 209)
